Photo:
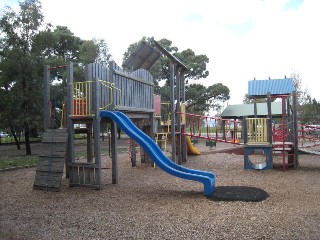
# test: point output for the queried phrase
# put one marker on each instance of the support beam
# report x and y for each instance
(183, 127)
(295, 129)
(46, 97)
(70, 151)
(172, 109)
(96, 130)
(178, 109)
(114, 154)
(270, 118)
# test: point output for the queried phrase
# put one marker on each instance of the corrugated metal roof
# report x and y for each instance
(247, 110)
(143, 57)
(260, 88)
(147, 53)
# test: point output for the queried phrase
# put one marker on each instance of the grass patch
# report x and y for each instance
(19, 162)
(21, 140)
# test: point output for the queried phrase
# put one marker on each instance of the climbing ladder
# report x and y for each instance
(51, 160)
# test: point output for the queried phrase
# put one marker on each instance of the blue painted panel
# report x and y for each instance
(273, 86)
(156, 154)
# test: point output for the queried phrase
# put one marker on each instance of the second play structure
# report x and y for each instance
(263, 133)
(270, 128)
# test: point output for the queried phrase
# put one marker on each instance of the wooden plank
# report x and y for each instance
(46, 166)
(58, 147)
(49, 139)
(44, 188)
(54, 154)
(45, 176)
(83, 164)
(57, 130)
(74, 175)
(87, 185)
(51, 180)
(52, 183)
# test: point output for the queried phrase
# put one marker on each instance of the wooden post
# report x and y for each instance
(114, 142)
(96, 129)
(114, 147)
(46, 97)
(295, 129)
(183, 129)
(152, 131)
(178, 109)
(289, 122)
(89, 142)
(172, 109)
(70, 151)
(270, 118)
(245, 130)
(112, 80)
(133, 153)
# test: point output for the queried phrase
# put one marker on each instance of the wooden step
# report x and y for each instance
(55, 135)
(47, 182)
(51, 164)
(51, 160)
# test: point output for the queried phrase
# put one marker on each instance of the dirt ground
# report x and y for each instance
(150, 204)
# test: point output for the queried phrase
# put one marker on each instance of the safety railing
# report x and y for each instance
(257, 130)
(308, 134)
(83, 94)
(211, 128)
(110, 96)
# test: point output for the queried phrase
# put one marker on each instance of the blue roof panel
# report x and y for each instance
(272, 86)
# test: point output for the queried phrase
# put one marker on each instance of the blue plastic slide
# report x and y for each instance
(156, 154)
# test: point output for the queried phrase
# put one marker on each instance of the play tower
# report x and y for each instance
(273, 136)
(116, 97)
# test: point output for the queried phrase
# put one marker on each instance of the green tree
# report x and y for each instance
(21, 64)
(103, 55)
(201, 99)
(247, 100)
(306, 107)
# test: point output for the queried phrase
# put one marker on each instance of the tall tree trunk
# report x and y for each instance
(13, 133)
(26, 136)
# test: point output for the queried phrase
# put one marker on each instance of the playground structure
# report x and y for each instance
(113, 96)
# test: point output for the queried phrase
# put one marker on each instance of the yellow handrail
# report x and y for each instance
(82, 97)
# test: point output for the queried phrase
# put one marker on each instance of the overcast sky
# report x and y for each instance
(243, 39)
